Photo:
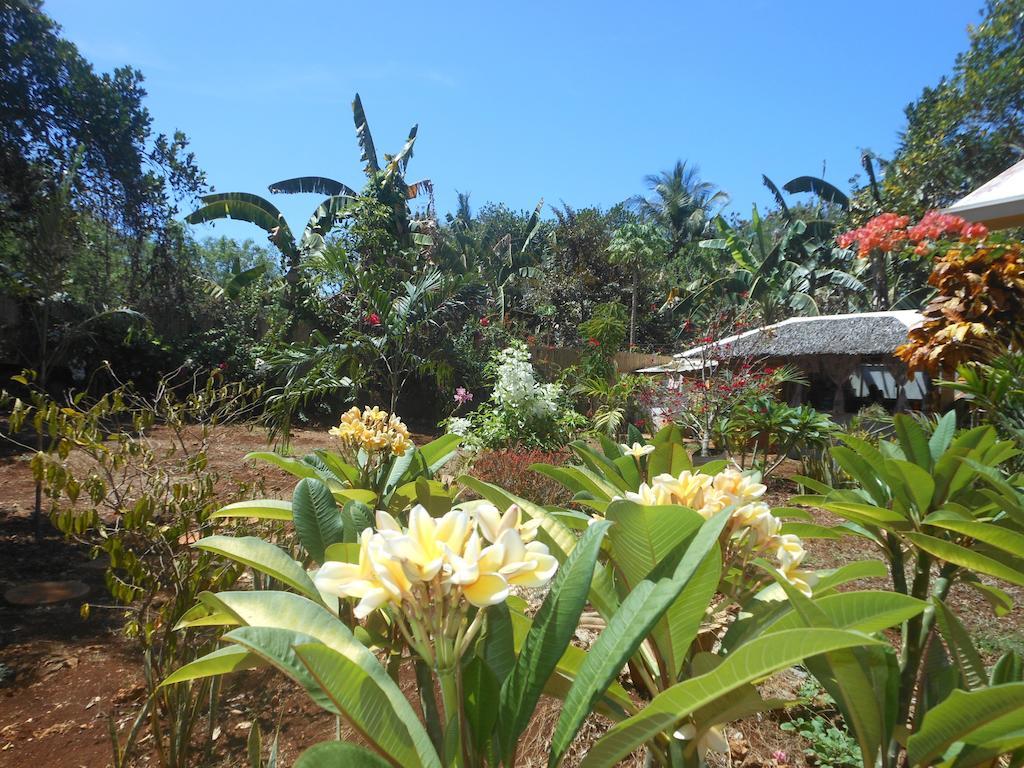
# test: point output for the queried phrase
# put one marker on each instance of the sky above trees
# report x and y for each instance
(569, 101)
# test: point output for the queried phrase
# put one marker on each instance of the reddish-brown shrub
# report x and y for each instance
(509, 469)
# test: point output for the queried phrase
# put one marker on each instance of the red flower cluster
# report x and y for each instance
(888, 232)
(884, 232)
(485, 321)
(593, 342)
(935, 225)
(373, 319)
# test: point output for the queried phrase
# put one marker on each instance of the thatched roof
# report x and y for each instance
(867, 334)
(998, 203)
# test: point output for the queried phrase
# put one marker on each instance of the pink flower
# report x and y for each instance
(484, 321)
(463, 396)
(373, 319)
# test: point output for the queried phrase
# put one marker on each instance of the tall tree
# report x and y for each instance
(682, 204)
(970, 126)
(636, 245)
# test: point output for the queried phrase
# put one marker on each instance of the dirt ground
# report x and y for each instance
(64, 679)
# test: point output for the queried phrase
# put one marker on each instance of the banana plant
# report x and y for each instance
(939, 506)
(781, 276)
(385, 181)
(254, 209)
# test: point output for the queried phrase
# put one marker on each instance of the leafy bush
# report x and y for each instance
(522, 410)
(762, 433)
(830, 746)
(510, 469)
(940, 509)
(141, 501)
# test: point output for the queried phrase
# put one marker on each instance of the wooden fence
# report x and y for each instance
(556, 358)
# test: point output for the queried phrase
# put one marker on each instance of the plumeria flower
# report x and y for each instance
(491, 523)
(738, 485)
(648, 495)
(526, 565)
(711, 740)
(637, 450)
(422, 548)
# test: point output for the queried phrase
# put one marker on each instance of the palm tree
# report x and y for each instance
(681, 204)
(636, 245)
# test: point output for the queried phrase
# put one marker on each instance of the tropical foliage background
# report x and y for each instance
(480, 528)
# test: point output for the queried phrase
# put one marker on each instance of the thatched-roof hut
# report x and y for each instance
(849, 359)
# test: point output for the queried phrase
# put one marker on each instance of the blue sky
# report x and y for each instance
(571, 101)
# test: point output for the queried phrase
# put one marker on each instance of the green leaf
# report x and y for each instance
(992, 718)
(862, 569)
(913, 440)
(552, 630)
(289, 465)
(438, 452)
(231, 658)
(480, 690)
(939, 442)
(958, 641)
(668, 458)
(362, 495)
(997, 536)
(264, 557)
(264, 509)
(356, 517)
(642, 608)
(644, 535)
(318, 521)
(750, 662)
(966, 558)
(812, 531)
(375, 708)
(371, 701)
(918, 487)
(334, 754)
(865, 611)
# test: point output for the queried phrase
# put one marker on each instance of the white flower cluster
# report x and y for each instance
(457, 425)
(752, 522)
(476, 556)
(516, 384)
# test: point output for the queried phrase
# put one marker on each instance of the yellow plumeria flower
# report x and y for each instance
(687, 489)
(739, 486)
(636, 450)
(649, 495)
(492, 523)
(758, 519)
(361, 580)
(802, 580)
(489, 587)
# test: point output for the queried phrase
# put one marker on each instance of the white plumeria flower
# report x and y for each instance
(636, 450)
(490, 587)
(375, 579)
(741, 487)
(526, 565)
(711, 740)
(789, 551)
(649, 495)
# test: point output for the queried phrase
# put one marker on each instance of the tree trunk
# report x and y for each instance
(881, 298)
(632, 313)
